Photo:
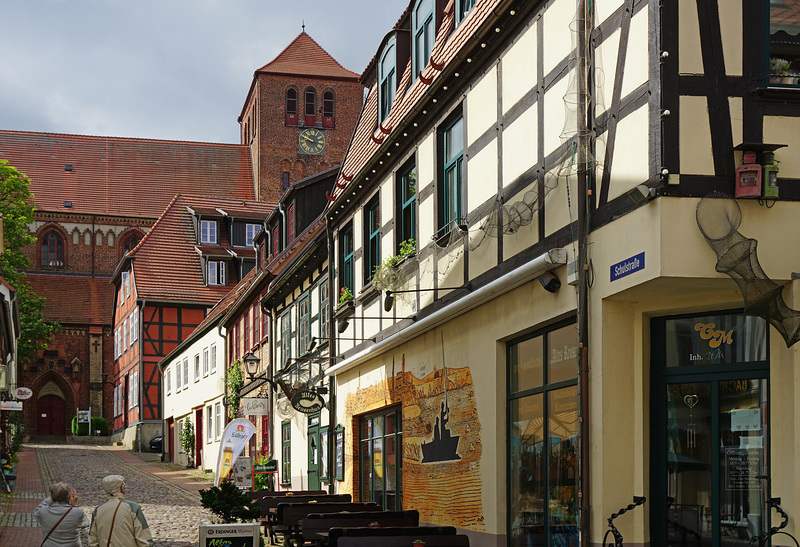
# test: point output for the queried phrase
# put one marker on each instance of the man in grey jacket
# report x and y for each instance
(60, 517)
(118, 522)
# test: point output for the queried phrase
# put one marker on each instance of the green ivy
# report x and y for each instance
(187, 440)
(234, 387)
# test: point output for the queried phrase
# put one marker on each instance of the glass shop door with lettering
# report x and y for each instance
(710, 430)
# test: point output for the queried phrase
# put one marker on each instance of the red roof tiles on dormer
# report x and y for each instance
(305, 57)
(166, 264)
(121, 176)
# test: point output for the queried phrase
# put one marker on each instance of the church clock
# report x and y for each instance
(312, 141)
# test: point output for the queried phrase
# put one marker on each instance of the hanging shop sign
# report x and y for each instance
(23, 393)
(627, 266)
(262, 468)
(255, 406)
(11, 405)
(307, 401)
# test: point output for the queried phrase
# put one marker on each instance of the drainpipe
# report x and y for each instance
(332, 331)
(283, 225)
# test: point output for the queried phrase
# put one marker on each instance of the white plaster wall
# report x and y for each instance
(482, 176)
(690, 61)
(557, 24)
(631, 162)
(482, 106)
(520, 145)
(695, 137)
(784, 130)
(426, 164)
(730, 16)
(519, 67)
(637, 62)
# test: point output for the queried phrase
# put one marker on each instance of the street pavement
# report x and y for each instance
(169, 498)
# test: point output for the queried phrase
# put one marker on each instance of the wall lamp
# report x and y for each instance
(388, 301)
(251, 363)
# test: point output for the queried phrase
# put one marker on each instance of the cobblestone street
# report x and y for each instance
(168, 496)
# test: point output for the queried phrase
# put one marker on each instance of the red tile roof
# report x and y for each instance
(305, 57)
(75, 299)
(124, 177)
(165, 264)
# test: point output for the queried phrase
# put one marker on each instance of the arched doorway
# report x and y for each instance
(50, 418)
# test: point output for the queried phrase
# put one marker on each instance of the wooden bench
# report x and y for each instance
(291, 515)
(316, 526)
(283, 493)
(269, 509)
(433, 536)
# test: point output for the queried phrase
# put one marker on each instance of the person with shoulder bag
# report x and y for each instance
(60, 517)
(118, 522)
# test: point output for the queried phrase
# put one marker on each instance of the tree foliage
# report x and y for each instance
(229, 503)
(17, 207)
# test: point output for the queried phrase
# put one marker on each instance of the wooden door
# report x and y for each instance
(50, 420)
(198, 437)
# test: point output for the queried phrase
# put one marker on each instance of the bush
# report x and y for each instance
(83, 430)
(231, 505)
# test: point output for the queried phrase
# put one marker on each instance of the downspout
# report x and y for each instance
(583, 61)
(283, 225)
(331, 362)
(224, 373)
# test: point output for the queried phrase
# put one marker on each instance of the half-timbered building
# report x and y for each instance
(557, 310)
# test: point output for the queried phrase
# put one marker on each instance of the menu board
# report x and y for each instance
(339, 453)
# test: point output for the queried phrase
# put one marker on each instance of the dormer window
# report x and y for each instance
(464, 7)
(423, 34)
(208, 232)
(250, 232)
(387, 87)
(216, 272)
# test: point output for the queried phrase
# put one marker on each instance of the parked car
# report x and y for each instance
(156, 444)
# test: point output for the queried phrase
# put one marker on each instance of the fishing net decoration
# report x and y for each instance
(719, 217)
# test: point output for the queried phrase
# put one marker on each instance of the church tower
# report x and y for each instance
(298, 116)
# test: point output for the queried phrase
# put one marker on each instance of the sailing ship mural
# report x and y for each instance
(444, 446)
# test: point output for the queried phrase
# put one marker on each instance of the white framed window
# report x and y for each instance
(116, 400)
(178, 443)
(185, 372)
(205, 362)
(116, 343)
(177, 377)
(126, 284)
(250, 232)
(218, 421)
(168, 379)
(124, 335)
(208, 231)
(197, 368)
(133, 382)
(209, 424)
(216, 272)
(213, 358)
(134, 325)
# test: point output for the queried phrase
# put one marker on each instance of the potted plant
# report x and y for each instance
(230, 504)
(777, 68)
(419, 543)
(387, 273)
(187, 442)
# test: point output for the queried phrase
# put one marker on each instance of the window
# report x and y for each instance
(52, 250)
(250, 232)
(286, 338)
(291, 106)
(290, 224)
(185, 372)
(208, 232)
(246, 322)
(324, 315)
(124, 347)
(784, 42)
(311, 106)
(423, 35)
(135, 325)
(264, 434)
(346, 257)
(256, 323)
(216, 272)
(286, 452)
(464, 7)
(304, 324)
(197, 368)
(328, 109)
(205, 362)
(407, 201)
(276, 243)
(134, 390)
(126, 284)
(372, 238)
(209, 424)
(387, 87)
(213, 358)
(217, 420)
(168, 379)
(129, 243)
(543, 440)
(450, 193)
(285, 180)
(380, 458)
(178, 383)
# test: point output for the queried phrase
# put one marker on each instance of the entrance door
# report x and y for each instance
(198, 437)
(51, 415)
(710, 435)
(314, 453)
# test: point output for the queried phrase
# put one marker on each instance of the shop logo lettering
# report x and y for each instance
(716, 337)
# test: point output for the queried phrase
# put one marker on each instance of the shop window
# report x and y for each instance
(386, 90)
(291, 106)
(784, 42)
(311, 107)
(380, 458)
(328, 110)
(52, 250)
(543, 442)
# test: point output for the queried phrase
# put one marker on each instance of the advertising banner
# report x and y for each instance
(233, 441)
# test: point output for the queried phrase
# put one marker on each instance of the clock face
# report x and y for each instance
(312, 141)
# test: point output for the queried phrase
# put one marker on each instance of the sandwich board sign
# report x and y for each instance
(229, 535)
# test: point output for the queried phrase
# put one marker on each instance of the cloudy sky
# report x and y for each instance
(162, 69)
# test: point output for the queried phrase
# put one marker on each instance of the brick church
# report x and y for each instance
(97, 197)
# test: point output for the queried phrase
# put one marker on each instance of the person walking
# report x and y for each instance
(60, 517)
(118, 522)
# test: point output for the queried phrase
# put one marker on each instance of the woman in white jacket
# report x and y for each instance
(60, 517)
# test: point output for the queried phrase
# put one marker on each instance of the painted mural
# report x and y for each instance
(441, 443)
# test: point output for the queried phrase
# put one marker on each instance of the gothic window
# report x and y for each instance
(52, 249)
(291, 106)
(129, 243)
(311, 106)
(328, 109)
